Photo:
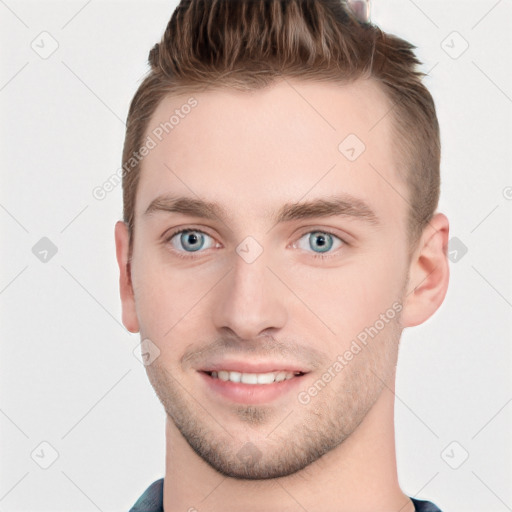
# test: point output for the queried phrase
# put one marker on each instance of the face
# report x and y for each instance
(258, 290)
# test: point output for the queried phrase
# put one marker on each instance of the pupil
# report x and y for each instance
(321, 241)
(191, 239)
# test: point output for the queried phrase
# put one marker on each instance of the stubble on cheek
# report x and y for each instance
(181, 403)
(342, 404)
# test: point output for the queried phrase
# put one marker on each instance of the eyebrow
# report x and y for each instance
(340, 205)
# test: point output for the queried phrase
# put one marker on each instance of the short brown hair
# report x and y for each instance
(247, 44)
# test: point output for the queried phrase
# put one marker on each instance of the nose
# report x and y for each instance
(251, 300)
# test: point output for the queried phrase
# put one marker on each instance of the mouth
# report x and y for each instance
(264, 386)
(253, 378)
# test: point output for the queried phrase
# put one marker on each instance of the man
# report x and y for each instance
(264, 128)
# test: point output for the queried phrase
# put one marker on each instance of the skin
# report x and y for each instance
(251, 153)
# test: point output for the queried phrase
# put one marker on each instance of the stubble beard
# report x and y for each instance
(236, 442)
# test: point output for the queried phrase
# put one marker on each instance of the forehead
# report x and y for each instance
(254, 150)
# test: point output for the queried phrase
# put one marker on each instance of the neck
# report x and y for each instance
(360, 474)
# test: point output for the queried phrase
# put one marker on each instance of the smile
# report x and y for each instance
(251, 388)
(253, 378)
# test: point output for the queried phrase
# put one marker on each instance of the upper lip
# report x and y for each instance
(252, 367)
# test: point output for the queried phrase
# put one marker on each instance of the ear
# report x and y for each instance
(122, 237)
(429, 273)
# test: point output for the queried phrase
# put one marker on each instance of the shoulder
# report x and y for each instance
(151, 499)
(424, 506)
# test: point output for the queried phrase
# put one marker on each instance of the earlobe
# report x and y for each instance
(122, 239)
(428, 273)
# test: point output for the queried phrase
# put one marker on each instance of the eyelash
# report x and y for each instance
(189, 256)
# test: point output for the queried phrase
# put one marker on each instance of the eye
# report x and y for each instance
(321, 241)
(186, 242)
(189, 241)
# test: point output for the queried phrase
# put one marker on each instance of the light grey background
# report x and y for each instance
(68, 375)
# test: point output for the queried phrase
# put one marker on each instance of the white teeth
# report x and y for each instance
(249, 378)
(280, 376)
(235, 376)
(253, 378)
(265, 378)
(223, 375)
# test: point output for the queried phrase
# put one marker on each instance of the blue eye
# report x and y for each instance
(322, 241)
(190, 241)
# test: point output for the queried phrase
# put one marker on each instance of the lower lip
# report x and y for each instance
(251, 393)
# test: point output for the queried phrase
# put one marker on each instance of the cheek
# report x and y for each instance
(358, 294)
(157, 295)
(170, 297)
